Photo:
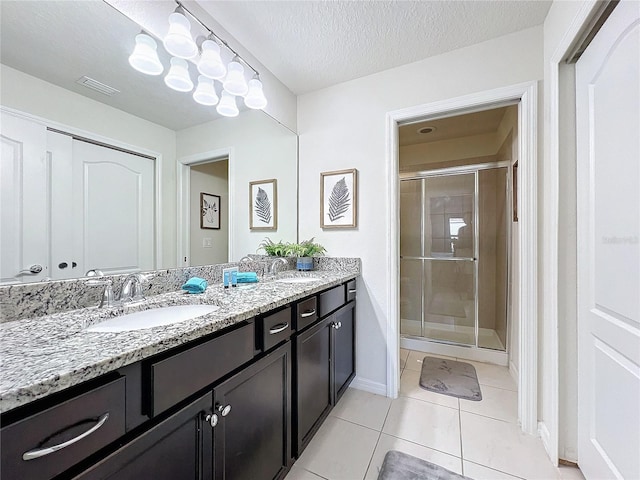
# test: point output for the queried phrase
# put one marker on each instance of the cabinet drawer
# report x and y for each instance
(331, 300)
(274, 328)
(351, 290)
(306, 313)
(175, 378)
(85, 423)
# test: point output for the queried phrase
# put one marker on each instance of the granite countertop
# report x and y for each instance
(47, 354)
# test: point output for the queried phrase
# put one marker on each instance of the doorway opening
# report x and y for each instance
(455, 233)
(524, 270)
(204, 230)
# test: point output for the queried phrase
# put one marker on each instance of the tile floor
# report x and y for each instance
(480, 440)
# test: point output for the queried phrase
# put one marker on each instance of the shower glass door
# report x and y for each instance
(438, 267)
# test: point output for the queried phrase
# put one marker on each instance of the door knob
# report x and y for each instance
(224, 411)
(336, 325)
(33, 270)
(212, 419)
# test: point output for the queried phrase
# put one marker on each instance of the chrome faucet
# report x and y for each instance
(131, 289)
(274, 265)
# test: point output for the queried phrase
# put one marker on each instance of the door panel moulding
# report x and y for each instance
(526, 95)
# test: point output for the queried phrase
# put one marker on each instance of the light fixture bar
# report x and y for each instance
(226, 45)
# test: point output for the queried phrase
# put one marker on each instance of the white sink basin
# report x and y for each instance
(298, 279)
(154, 317)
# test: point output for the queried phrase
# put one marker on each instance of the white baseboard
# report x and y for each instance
(545, 436)
(513, 370)
(370, 386)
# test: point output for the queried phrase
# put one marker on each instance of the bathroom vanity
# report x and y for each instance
(236, 394)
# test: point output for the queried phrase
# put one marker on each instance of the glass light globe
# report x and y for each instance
(210, 63)
(145, 56)
(227, 106)
(255, 96)
(205, 93)
(235, 82)
(178, 42)
(178, 76)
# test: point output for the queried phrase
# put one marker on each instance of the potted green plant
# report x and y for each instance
(273, 249)
(305, 251)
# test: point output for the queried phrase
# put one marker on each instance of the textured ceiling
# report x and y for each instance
(310, 45)
(477, 123)
(61, 41)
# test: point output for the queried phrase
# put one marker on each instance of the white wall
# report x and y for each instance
(34, 96)
(210, 178)
(446, 150)
(261, 149)
(343, 126)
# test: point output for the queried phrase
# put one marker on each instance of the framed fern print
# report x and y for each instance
(339, 199)
(209, 211)
(263, 205)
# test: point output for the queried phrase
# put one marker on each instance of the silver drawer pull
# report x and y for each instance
(308, 313)
(352, 290)
(281, 327)
(41, 452)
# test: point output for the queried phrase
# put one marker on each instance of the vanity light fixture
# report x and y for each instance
(145, 56)
(227, 106)
(178, 76)
(178, 42)
(234, 82)
(210, 63)
(205, 93)
(255, 96)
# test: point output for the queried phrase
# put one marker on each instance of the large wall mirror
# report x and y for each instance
(99, 179)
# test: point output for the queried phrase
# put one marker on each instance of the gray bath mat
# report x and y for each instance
(400, 466)
(457, 379)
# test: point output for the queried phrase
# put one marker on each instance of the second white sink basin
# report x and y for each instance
(154, 317)
(298, 279)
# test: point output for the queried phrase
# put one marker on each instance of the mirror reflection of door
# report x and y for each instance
(70, 206)
(208, 246)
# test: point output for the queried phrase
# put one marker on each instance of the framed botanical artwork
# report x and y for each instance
(209, 211)
(263, 205)
(339, 199)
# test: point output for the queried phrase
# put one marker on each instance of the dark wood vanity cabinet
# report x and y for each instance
(178, 447)
(253, 437)
(324, 363)
(313, 381)
(238, 404)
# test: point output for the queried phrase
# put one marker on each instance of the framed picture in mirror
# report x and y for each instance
(209, 211)
(263, 205)
(339, 199)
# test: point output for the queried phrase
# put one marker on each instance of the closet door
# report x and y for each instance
(113, 209)
(24, 202)
(64, 260)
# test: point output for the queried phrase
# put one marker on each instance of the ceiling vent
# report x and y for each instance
(424, 130)
(97, 86)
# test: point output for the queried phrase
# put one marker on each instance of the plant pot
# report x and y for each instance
(304, 264)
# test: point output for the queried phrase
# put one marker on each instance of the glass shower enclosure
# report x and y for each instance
(454, 257)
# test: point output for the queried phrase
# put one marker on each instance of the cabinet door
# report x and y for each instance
(313, 381)
(253, 436)
(344, 351)
(177, 448)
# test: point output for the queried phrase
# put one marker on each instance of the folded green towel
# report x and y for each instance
(195, 285)
(247, 277)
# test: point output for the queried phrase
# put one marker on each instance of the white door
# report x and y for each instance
(608, 131)
(24, 201)
(113, 209)
(64, 260)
